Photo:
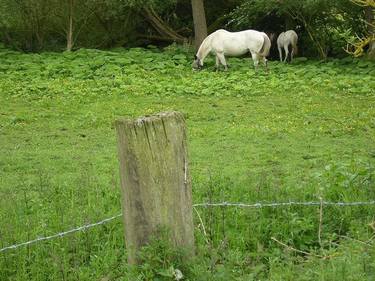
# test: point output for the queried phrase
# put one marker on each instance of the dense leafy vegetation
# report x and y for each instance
(324, 27)
(304, 131)
(328, 25)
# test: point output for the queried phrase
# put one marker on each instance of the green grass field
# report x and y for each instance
(305, 131)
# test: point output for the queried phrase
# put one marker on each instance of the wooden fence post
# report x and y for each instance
(155, 180)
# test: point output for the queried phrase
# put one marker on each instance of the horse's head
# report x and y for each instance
(197, 64)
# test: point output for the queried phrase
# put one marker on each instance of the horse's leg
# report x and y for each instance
(292, 54)
(280, 53)
(286, 49)
(217, 63)
(265, 62)
(255, 58)
(222, 60)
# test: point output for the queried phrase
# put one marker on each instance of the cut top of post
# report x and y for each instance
(151, 118)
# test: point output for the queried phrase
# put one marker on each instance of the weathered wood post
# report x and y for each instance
(155, 180)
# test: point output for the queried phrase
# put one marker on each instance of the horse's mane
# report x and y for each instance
(203, 48)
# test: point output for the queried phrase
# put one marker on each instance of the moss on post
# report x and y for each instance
(155, 180)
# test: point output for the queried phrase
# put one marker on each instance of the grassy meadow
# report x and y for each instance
(303, 132)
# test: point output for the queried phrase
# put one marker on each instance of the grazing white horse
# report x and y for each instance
(224, 43)
(285, 39)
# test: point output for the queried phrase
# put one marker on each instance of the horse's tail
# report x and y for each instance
(294, 42)
(295, 48)
(265, 50)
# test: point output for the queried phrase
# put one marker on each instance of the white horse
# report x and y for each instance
(224, 43)
(285, 39)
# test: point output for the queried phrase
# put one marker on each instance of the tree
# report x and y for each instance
(28, 18)
(70, 18)
(322, 21)
(200, 25)
(166, 32)
(357, 48)
(371, 29)
(7, 22)
(69, 33)
(115, 22)
(369, 40)
(34, 25)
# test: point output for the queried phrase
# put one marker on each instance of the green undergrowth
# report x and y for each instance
(304, 132)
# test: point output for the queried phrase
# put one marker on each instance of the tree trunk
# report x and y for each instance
(369, 17)
(319, 47)
(200, 25)
(69, 35)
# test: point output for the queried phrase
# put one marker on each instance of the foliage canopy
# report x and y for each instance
(324, 26)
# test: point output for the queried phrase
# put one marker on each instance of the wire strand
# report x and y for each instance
(280, 204)
(61, 234)
(221, 204)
